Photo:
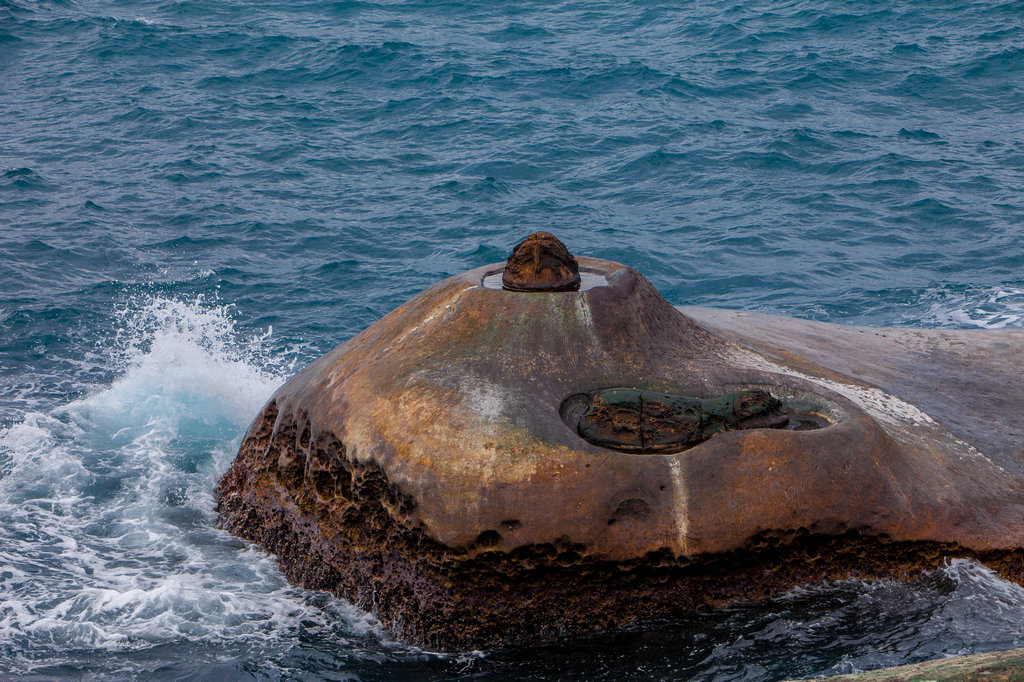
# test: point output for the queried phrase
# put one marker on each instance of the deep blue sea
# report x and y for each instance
(198, 197)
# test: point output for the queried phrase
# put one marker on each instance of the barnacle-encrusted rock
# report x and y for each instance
(441, 469)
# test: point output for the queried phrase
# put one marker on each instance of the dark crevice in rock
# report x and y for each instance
(489, 538)
(341, 526)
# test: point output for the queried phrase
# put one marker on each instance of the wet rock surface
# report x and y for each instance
(427, 469)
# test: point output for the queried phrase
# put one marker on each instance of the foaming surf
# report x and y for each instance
(110, 562)
(109, 540)
(997, 307)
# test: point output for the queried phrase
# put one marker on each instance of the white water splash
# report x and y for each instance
(108, 539)
(988, 308)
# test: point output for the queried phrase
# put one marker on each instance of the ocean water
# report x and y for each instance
(198, 197)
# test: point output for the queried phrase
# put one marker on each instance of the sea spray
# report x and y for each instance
(108, 539)
(999, 307)
(319, 162)
(108, 546)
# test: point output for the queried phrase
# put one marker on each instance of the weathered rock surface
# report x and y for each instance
(997, 666)
(433, 469)
(541, 263)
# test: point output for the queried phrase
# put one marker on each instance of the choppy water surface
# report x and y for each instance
(198, 197)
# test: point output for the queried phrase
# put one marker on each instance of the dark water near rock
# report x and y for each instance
(197, 197)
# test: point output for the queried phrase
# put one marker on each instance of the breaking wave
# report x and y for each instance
(108, 541)
(984, 307)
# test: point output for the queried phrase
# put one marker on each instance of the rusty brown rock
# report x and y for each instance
(541, 263)
(646, 422)
(427, 469)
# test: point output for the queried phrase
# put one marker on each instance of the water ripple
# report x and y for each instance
(314, 164)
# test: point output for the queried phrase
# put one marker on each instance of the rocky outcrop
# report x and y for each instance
(441, 469)
(997, 666)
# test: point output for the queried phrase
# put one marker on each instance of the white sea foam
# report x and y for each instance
(108, 539)
(942, 614)
(181, 361)
(985, 307)
(107, 542)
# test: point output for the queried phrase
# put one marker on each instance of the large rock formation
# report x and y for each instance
(485, 465)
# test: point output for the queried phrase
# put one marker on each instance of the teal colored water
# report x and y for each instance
(197, 197)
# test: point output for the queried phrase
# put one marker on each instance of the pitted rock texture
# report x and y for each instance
(343, 527)
(426, 471)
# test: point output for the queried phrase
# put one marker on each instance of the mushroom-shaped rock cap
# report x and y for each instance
(541, 263)
(483, 464)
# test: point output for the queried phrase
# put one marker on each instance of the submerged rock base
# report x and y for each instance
(334, 525)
